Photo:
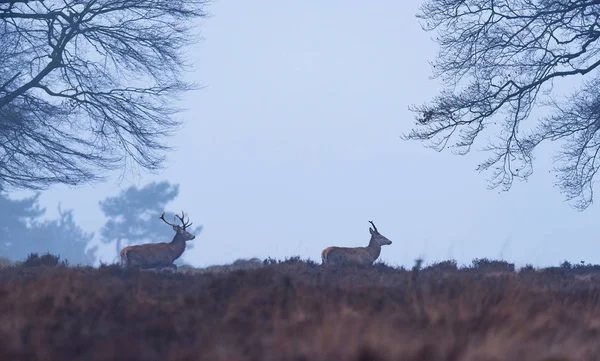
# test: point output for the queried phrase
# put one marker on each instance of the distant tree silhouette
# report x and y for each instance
(66, 239)
(22, 233)
(134, 216)
(15, 216)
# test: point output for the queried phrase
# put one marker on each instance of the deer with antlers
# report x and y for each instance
(159, 255)
(357, 255)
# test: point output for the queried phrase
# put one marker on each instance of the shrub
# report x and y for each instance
(484, 264)
(46, 259)
(527, 268)
(566, 265)
(443, 266)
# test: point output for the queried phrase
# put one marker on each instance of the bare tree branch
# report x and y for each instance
(85, 86)
(497, 61)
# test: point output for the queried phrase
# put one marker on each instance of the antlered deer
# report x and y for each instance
(357, 255)
(158, 255)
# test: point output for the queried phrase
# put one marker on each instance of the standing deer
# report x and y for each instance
(357, 255)
(158, 255)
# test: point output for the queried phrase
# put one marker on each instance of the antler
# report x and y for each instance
(185, 225)
(162, 216)
(374, 228)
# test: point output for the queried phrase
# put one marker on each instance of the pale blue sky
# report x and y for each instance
(293, 145)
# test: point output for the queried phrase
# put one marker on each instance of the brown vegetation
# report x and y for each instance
(296, 310)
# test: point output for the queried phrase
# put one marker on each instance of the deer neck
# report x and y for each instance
(177, 246)
(374, 249)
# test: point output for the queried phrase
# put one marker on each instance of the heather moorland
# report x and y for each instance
(299, 310)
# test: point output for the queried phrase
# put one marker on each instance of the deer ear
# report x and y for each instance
(371, 230)
(175, 228)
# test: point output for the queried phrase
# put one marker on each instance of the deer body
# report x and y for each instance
(356, 255)
(158, 255)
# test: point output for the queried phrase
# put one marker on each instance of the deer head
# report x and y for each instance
(180, 231)
(378, 237)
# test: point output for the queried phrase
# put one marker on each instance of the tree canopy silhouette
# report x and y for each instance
(87, 86)
(22, 232)
(498, 60)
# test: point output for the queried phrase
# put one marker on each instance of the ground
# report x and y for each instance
(297, 310)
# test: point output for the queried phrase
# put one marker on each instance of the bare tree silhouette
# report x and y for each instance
(88, 86)
(498, 60)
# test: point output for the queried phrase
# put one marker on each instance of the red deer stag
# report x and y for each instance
(158, 255)
(357, 255)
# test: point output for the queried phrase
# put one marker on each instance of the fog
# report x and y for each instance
(293, 144)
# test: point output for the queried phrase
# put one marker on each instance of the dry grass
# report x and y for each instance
(299, 310)
(240, 264)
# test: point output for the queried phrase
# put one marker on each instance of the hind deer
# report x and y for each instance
(159, 255)
(357, 255)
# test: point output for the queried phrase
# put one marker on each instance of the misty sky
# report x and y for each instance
(294, 144)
